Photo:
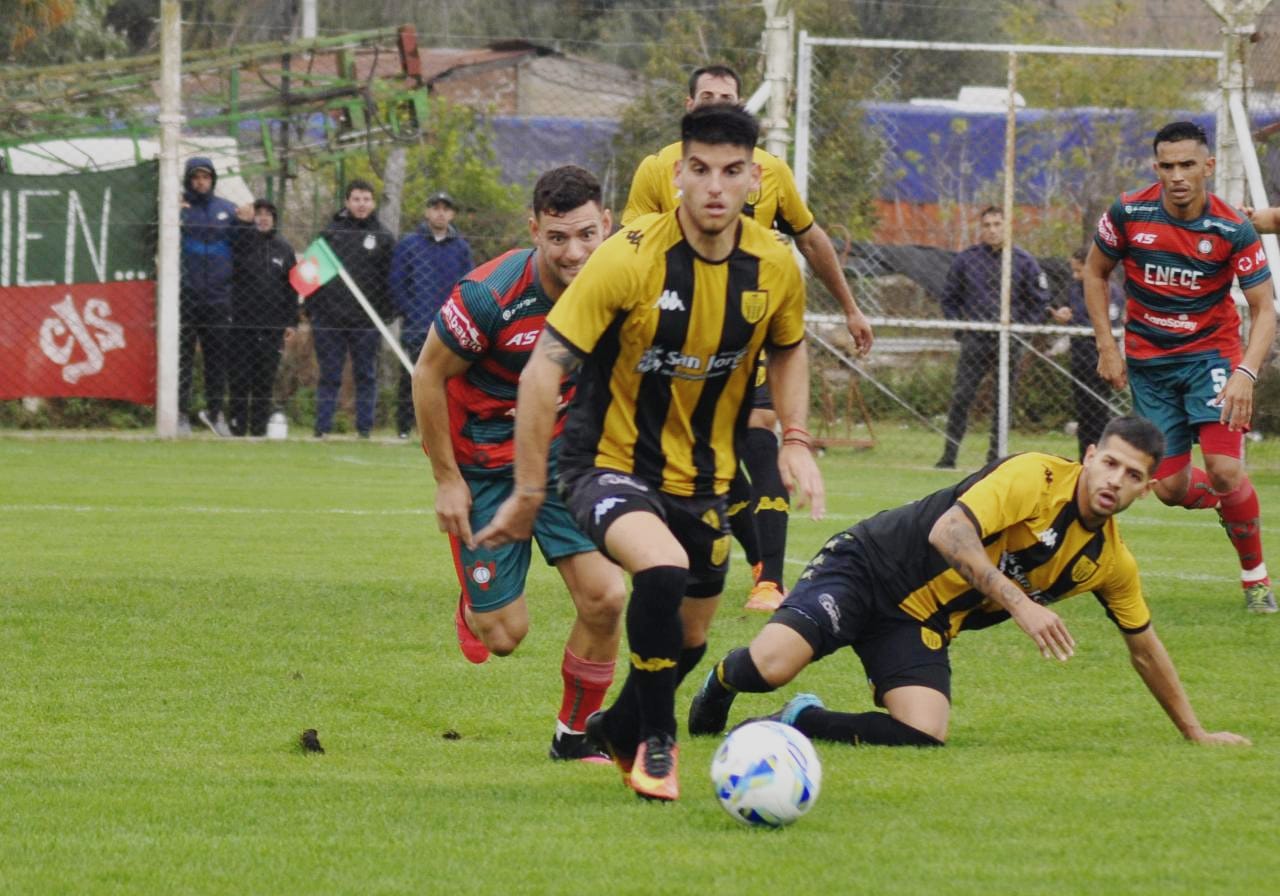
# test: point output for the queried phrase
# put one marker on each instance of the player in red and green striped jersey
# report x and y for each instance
(1184, 359)
(464, 392)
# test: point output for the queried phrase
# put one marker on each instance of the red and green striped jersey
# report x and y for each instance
(492, 318)
(1178, 275)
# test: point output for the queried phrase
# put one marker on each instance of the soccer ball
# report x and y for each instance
(766, 774)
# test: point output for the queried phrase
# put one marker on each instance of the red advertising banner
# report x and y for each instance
(86, 340)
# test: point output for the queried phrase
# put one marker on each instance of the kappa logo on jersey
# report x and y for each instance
(604, 506)
(526, 338)
(669, 301)
(619, 479)
(1107, 231)
(462, 329)
(634, 237)
(1146, 239)
(1048, 538)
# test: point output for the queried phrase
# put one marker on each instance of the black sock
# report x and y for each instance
(769, 500)
(737, 673)
(861, 728)
(654, 634)
(689, 659)
(742, 521)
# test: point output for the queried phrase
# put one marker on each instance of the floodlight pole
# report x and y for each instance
(169, 235)
(1239, 19)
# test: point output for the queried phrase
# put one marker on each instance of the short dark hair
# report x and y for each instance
(265, 205)
(991, 210)
(563, 189)
(1177, 131)
(715, 71)
(359, 184)
(1081, 254)
(719, 124)
(1139, 432)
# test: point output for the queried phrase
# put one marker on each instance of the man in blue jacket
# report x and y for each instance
(972, 293)
(208, 231)
(424, 267)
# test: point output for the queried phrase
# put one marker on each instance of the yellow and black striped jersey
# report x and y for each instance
(669, 342)
(776, 204)
(1026, 512)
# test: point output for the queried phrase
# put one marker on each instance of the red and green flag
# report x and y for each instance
(317, 267)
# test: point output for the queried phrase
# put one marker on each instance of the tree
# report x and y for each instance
(49, 32)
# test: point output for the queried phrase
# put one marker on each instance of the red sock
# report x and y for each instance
(1242, 517)
(585, 684)
(1200, 494)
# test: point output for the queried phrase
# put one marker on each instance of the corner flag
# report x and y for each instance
(318, 266)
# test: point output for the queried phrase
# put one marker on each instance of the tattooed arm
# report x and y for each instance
(536, 402)
(956, 539)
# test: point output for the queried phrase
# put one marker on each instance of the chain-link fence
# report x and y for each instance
(907, 187)
(901, 147)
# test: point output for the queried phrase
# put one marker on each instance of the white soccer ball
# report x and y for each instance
(766, 774)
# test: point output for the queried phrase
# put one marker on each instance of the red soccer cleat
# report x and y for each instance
(472, 647)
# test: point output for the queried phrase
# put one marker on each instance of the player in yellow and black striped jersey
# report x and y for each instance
(758, 511)
(666, 321)
(669, 341)
(1007, 542)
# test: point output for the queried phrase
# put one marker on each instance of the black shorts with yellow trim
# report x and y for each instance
(834, 605)
(597, 496)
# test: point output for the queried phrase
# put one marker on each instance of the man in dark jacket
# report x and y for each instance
(339, 325)
(972, 293)
(208, 224)
(264, 313)
(424, 267)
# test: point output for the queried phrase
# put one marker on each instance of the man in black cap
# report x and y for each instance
(264, 313)
(424, 267)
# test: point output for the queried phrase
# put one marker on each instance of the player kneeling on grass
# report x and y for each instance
(1018, 535)
(464, 392)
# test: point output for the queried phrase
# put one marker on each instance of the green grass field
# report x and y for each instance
(173, 615)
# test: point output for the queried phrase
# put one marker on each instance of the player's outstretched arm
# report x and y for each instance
(1153, 664)
(815, 246)
(550, 361)
(789, 386)
(436, 364)
(956, 539)
(1097, 269)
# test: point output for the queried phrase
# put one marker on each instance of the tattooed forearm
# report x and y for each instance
(956, 539)
(558, 353)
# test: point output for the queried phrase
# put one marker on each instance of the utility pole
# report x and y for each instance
(309, 19)
(168, 238)
(1239, 19)
(779, 49)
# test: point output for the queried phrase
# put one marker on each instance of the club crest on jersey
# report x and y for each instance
(1082, 570)
(1204, 247)
(481, 573)
(754, 302)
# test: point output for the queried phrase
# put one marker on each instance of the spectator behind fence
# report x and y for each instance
(424, 267)
(339, 325)
(1088, 390)
(264, 313)
(208, 231)
(972, 293)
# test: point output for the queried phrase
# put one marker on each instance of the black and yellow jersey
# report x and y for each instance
(776, 204)
(1026, 512)
(669, 342)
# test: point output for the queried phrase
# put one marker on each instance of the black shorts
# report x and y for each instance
(761, 397)
(834, 604)
(596, 497)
